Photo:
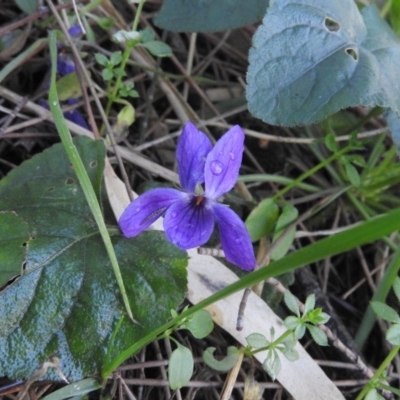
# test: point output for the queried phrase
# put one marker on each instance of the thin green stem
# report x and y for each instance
(124, 60)
(80, 170)
(374, 381)
(311, 172)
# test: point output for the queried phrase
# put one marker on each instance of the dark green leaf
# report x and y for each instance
(180, 367)
(209, 15)
(67, 300)
(313, 58)
(14, 239)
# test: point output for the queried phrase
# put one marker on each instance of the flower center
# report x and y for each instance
(199, 200)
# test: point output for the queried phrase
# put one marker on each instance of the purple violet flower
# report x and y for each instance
(190, 216)
(65, 63)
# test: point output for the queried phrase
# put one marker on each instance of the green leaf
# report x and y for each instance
(394, 15)
(291, 303)
(68, 87)
(200, 324)
(291, 322)
(330, 142)
(309, 304)
(116, 58)
(351, 172)
(80, 388)
(27, 6)
(393, 335)
(209, 15)
(147, 35)
(300, 331)
(256, 340)
(101, 59)
(385, 312)
(68, 292)
(318, 335)
(262, 219)
(221, 365)
(107, 74)
(14, 238)
(290, 353)
(289, 214)
(373, 395)
(272, 365)
(313, 58)
(180, 367)
(157, 48)
(396, 287)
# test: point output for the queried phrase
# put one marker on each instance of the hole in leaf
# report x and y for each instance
(93, 164)
(331, 25)
(352, 53)
(24, 244)
(69, 181)
(71, 165)
(24, 266)
(50, 189)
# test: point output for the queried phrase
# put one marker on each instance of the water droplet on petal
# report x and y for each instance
(137, 209)
(173, 215)
(232, 156)
(216, 167)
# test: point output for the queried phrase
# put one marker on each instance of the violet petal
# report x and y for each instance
(235, 239)
(75, 30)
(65, 64)
(146, 209)
(188, 225)
(76, 117)
(191, 152)
(223, 163)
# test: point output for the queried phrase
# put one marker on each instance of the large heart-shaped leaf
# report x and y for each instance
(209, 15)
(313, 57)
(67, 299)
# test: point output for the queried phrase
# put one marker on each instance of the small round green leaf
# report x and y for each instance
(257, 340)
(180, 367)
(200, 324)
